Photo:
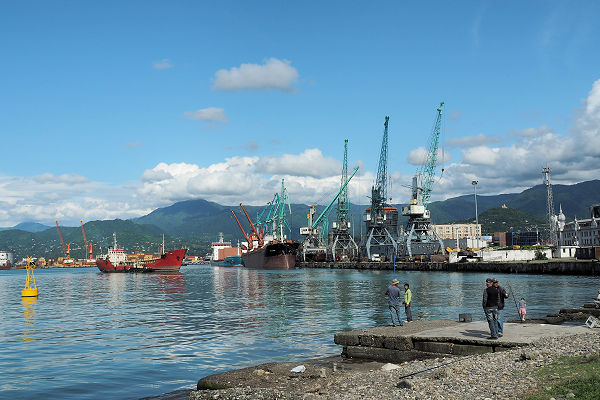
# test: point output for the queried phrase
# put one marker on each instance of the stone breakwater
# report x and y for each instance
(507, 375)
(578, 267)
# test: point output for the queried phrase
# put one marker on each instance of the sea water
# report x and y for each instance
(125, 336)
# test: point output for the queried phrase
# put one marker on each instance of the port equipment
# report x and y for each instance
(89, 251)
(381, 219)
(552, 219)
(65, 247)
(420, 237)
(343, 246)
(256, 236)
(250, 244)
(272, 221)
(29, 291)
(314, 238)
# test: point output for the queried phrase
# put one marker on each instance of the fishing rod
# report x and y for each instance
(513, 296)
(429, 369)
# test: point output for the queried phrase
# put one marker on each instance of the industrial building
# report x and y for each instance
(457, 231)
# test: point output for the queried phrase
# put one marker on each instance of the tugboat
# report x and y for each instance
(116, 261)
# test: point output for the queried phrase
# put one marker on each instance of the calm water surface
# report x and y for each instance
(126, 336)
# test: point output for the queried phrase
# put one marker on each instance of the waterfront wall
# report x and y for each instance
(578, 267)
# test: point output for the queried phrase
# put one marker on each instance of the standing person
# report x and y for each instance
(503, 295)
(522, 309)
(407, 300)
(491, 298)
(393, 293)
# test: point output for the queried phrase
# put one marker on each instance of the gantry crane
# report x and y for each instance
(315, 234)
(381, 219)
(420, 237)
(342, 242)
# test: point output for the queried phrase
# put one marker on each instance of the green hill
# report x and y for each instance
(196, 223)
(507, 220)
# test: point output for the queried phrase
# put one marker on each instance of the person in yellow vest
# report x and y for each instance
(407, 300)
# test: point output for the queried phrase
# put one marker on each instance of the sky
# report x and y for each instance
(112, 109)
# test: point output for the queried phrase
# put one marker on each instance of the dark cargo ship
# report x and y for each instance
(272, 256)
(267, 247)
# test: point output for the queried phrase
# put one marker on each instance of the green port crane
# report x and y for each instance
(381, 231)
(317, 230)
(420, 236)
(342, 244)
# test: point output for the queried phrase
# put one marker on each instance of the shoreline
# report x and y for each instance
(545, 267)
(479, 376)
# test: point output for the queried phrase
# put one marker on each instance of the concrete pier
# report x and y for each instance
(430, 339)
(555, 267)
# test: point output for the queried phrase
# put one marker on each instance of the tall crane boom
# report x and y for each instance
(258, 236)
(62, 242)
(343, 202)
(326, 210)
(88, 249)
(381, 182)
(431, 162)
(243, 231)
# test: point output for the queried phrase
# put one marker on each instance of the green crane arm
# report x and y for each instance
(316, 222)
(431, 163)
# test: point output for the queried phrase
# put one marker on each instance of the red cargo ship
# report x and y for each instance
(168, 262)
(116, 261)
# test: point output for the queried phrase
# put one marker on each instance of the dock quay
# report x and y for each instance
(430, 339)
(575, 267)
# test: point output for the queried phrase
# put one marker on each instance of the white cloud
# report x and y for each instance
(308, 163)
(273, 74)
(481, 155)
(210, 114)
(531, 132)
(418, 156)
(472, 141)
(309, 175)
(162, 64)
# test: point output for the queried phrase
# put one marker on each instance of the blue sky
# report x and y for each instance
(111, 109)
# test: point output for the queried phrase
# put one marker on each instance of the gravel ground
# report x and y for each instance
(503, 375)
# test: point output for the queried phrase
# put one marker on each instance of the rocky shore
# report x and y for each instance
(508, 374)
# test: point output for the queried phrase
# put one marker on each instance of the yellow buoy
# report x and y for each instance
(29, 291)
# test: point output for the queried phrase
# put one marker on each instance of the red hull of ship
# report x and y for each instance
(168, 262)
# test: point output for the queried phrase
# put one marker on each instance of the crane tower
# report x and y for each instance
(342, 242)
(552, 219)
(420, 237)
(381, 219)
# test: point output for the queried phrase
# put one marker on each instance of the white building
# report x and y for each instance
(579, 233)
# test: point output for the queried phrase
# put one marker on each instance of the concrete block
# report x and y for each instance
(398, 343)
(346, 339)
(371, 340)
(386, 355)
(434, 347)
(466, 349)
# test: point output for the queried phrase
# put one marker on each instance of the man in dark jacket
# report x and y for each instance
(491, 299)
(503, 295)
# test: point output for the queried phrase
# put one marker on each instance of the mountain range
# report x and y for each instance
(196, 223)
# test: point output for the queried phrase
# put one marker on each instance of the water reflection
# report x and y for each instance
(29, 316)
(166, 330)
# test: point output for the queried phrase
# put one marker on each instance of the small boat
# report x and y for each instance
(116, 261)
